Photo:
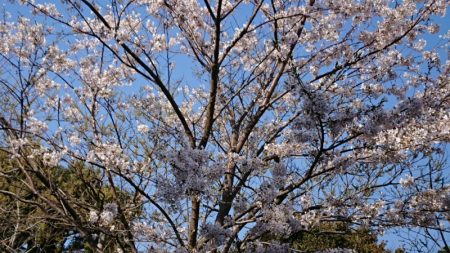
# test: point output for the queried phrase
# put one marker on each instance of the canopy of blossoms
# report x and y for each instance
(234, 124)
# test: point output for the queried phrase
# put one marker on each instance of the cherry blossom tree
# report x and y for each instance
(229, 121)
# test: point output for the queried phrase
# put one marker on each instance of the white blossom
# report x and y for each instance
(406, 182)
(108, 214)
(143, 128)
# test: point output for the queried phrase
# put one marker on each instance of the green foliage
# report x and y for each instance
(444, 250)
(339, 235)
(335, 235)
(28, 224)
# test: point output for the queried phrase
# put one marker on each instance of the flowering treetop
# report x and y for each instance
(231, 121)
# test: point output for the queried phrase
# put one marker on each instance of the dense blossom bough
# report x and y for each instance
(235, 124)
